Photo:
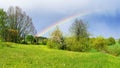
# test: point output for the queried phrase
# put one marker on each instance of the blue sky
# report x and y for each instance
(104, 18)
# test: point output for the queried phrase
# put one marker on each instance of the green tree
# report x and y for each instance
(56, 40)
(11, 35)
(3, 18)
(80, 39)
(30, 38)
(42, 40)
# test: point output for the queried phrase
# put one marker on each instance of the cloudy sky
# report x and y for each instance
(103, 16)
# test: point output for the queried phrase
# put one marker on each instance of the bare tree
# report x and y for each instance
(79, 29)
(80, 39)
(19, 21)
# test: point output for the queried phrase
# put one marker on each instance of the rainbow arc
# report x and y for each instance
(61, 22)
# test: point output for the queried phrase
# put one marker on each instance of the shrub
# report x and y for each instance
(115, 50)
(74, 45)
(57, 40)
(119, 41)
(99, 43)
(111, 41)
(91, 40)
(44, 42)
(56, 44)
(53, 44)
(23, 42)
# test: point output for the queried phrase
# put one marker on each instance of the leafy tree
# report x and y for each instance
(80, 39)
(3, 27)
(42, 40)
(19, 21)
(111, 41)
(56, 40)
(11, 35)
(30, 38)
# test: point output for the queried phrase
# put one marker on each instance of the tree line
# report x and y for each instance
(81, 41)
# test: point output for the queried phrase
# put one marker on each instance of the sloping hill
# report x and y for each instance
(24, 56)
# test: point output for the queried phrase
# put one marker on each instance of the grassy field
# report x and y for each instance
(29, 56)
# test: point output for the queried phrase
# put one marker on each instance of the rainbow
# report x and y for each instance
(61, 22)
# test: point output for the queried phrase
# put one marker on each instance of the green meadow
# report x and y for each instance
(39, 56)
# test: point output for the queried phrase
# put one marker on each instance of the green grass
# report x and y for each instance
(29, 56)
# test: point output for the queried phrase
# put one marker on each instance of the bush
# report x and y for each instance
(44, 42)
(56, 44)
(115, 50)
(119, 41)
(99, 43)
(92, 41)
(57, 40)
(74, 45)
(23, 42)
(111, 41)
(53, 44)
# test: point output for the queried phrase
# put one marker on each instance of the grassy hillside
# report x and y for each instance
(23, 56)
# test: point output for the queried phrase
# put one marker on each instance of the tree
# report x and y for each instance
(56, 35)
(41, 40)
(11, 35)
(19, 21)
(56, 40)
(80, 39)
(30, 38)
(79, 29)
(3, 27)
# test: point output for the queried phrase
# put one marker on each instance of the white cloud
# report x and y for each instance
(61, 6)
(44, 4)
